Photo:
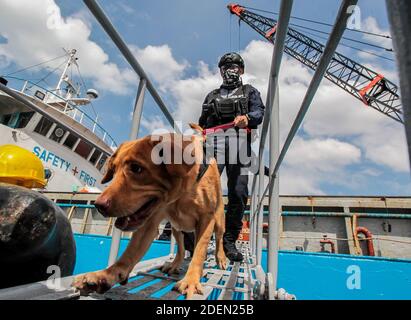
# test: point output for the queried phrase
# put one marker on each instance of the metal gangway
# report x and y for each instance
(241, 281)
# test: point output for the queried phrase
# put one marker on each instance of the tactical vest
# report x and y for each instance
(226, 109)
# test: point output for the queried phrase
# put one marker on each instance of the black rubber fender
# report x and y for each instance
(34, 235)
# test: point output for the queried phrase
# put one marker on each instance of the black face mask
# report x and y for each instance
(231, 76)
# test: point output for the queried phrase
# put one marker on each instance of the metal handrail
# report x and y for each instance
(77, 112)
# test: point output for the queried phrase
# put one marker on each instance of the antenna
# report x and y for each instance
(71, 60)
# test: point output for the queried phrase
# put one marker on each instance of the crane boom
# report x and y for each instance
(372, 88)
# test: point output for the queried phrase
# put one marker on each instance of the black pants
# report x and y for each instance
(237, 185)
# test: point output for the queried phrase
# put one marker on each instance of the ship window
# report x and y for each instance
(17, 120)
(83, 149)
(95, 156)
(24, 119)
(5, 119)
(70, 141)
(102, 161)
(57, 134)
(43, 126)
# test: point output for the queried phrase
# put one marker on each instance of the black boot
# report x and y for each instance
(229, 247)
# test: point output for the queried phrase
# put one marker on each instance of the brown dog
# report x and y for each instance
(144, 193)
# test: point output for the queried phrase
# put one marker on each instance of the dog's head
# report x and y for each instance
(146, 175)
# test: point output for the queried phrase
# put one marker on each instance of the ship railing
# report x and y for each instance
(65, 106)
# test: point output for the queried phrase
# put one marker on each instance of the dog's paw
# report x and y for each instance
(171, 267)
(221, 261)
(189, 286)
(99, 281)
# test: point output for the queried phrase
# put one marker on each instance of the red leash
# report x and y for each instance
(222, 127)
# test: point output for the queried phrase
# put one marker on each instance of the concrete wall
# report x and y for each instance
(394, 244)
(306, 232)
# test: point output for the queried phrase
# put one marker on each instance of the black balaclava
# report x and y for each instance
(231, 76)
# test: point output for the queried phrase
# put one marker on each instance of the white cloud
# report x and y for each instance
(324, 155)
(153, 123)
(160, 64)
(311, 162)
(36, 31)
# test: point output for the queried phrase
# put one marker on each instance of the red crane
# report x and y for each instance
(372, 88)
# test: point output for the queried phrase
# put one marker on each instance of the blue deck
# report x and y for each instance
(307, 275)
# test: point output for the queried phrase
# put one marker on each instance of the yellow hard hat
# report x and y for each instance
(21, 167)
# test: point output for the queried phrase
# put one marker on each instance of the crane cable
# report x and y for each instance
(345, 38)
(349, 46)
(322, 23)
(231, 29)
(239, 34)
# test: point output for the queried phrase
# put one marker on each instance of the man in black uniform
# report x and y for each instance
(241, 104)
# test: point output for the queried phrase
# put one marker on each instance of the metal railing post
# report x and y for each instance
(251, 214)
(138, 108)
(254, 228)
(259, 213)
(114, 246)
(282, 27)
(172, 244)
(274, 196)
(135, 126)
(273, 98)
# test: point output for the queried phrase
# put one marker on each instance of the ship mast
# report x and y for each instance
(64, 77)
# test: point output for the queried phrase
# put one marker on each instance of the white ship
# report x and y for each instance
(71, 144)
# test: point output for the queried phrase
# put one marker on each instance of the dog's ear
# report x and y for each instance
(196, 127)
(108, 176)
(177, 153)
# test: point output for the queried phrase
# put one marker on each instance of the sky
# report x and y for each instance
(342, 147)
